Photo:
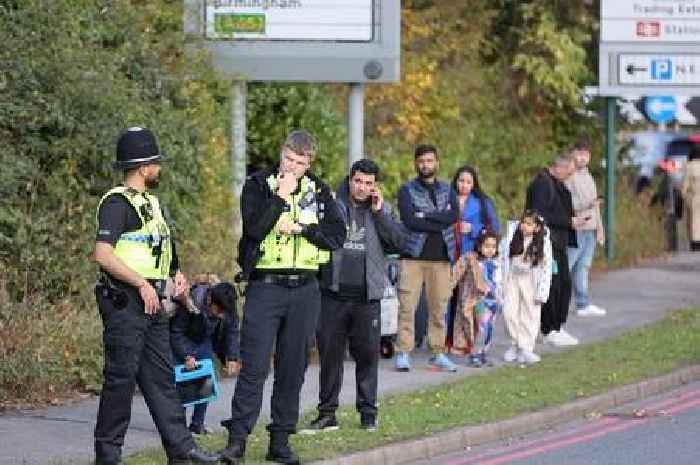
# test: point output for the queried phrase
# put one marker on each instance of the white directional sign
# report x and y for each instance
(634, 30)
(669, 9)
(650, 21)
(290, 20)
(649, 47)
(659, 69)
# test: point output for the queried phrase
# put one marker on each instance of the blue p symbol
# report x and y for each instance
(661, 69)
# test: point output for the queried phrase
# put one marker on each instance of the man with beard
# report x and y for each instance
(290, 225)
(353, 284)
(136, 256)
(429, 210)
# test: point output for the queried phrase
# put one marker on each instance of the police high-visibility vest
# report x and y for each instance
(148, 250)
(293, 251)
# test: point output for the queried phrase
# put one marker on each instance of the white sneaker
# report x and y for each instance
(568, 339)
(528, 357)
(560, 339)
(511, 354)
(591, 310)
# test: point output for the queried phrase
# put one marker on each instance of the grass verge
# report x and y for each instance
(656, 349)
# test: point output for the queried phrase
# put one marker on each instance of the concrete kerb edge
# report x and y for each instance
(462, 438)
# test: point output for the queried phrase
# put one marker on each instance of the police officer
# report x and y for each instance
(136, 255)
(290, 222)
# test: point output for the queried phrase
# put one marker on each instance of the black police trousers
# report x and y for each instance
(136, 350)
(285, 316)
(356, 323)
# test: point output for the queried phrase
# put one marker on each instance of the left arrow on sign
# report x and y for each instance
(631, 69)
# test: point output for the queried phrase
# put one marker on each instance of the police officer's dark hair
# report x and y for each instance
(301, 142)
(365, 166)
(422, 149)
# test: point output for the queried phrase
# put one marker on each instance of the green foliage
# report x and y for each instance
(275, 109)
(543, 48)
(74, 75)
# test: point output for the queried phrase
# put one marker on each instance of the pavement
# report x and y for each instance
(634, 297)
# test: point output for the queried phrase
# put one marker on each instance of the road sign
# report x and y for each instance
(661, 109)
(299, 40)
(650, 21)
(312, 20)
(652, 70)
(652, 30)
(649, 47)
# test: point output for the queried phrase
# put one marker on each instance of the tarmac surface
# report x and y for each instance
(633, 298)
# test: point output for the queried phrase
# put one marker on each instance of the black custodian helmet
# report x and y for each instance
(136, 146)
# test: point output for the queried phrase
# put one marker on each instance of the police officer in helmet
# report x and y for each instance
(290, 223)
(136, 256)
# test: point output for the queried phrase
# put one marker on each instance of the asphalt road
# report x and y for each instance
(660, 430)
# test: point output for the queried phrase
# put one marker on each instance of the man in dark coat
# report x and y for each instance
(548, 195)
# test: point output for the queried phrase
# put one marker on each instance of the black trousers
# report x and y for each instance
(556, 310)
(356, 323)
(136, 350)
(287, 317)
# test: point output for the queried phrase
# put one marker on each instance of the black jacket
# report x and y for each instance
(203, 334)
(552, 199)
(261, 208)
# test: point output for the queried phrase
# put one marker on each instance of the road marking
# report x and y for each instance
(677, 404)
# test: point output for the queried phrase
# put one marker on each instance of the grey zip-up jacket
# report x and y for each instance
(385, 235)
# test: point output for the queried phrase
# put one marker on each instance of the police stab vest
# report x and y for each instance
(293, 251)
(148, 250)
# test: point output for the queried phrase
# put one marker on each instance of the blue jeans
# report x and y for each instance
(580, 259)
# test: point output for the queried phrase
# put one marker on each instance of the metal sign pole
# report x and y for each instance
(356, 122)
(239, 130)
(611, 159)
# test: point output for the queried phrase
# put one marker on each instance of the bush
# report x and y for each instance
(73, 75)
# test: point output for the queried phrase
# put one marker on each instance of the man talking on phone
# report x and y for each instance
(290, 225)
(352, 285)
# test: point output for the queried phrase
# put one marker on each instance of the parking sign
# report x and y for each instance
(661, 69)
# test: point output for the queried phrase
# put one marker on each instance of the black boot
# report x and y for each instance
(279, 450)
(194, 456)
(235, 449)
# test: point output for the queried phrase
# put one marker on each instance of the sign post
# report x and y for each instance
(610, 166)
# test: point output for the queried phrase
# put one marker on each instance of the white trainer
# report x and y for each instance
(560, 339)
(568, 339)
(511, 354)
(528, 357)
(591, 310)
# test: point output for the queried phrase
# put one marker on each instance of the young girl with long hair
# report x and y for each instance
(528, 275)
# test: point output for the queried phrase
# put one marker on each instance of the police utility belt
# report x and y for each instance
(284, 280)
(117, 291)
